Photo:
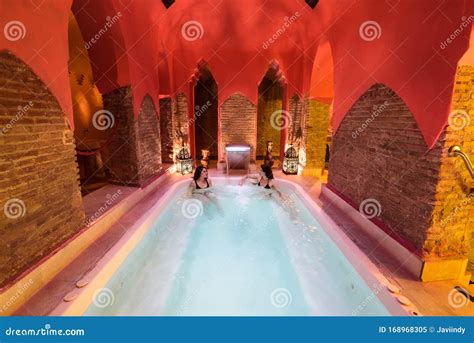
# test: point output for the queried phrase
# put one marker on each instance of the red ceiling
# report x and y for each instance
(146, 47)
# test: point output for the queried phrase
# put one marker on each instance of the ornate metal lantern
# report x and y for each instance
(290, 161)
(184, 163)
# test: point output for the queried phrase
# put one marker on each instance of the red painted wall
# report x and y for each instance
(234, 37)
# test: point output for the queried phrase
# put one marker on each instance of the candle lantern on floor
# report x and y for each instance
(290, 161)
(184, 163)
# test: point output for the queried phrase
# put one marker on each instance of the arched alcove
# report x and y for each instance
(270, 104)
(89, 133)
(206, 114)
(379, 157)
(40, 198)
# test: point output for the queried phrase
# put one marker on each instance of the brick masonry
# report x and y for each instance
(38, 171)
(315, 132)
(120, 156)
(379, 153)
(238, 123)
(148, 141)
(166, 129)
(180, 121)
(133, 155)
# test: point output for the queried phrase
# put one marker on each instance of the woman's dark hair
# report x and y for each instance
(268, 171)
(198, 172)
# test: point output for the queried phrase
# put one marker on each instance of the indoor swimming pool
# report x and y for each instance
(240, 251)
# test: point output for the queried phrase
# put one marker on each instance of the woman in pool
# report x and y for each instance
(264, 179)
(200, 182)
(200, 188)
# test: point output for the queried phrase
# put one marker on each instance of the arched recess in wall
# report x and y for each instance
(269, 109)
(40, 190)
(93, 126)
(206, 113)
(380, 160)
(318, 108)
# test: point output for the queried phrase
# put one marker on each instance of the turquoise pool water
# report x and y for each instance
(242, 253)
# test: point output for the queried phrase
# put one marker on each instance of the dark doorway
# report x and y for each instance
(206, 114)
(270, 101)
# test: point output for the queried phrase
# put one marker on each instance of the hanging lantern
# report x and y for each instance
(184, 163)
(290, 161)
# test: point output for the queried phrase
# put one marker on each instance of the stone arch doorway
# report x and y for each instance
(206, 114)
(270, 106)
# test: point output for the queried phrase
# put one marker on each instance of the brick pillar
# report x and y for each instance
(147, 127)
(315, 136)
(379, 156)
(166, 130)
(40, 197)
(120, 156)
(180, 122)
(238, 124)
(134, 154)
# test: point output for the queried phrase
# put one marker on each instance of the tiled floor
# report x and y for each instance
(430, 298)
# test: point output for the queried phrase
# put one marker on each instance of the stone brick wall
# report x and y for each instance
(147, 127)
(453, 216)
(378, 155)
(315, 132)
(41, 204)
(238, 123)
(120, 156)
(180, 119)
(134, 153)
(166, 130)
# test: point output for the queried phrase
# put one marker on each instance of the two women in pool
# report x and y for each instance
(201, 180)
(201, 184)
